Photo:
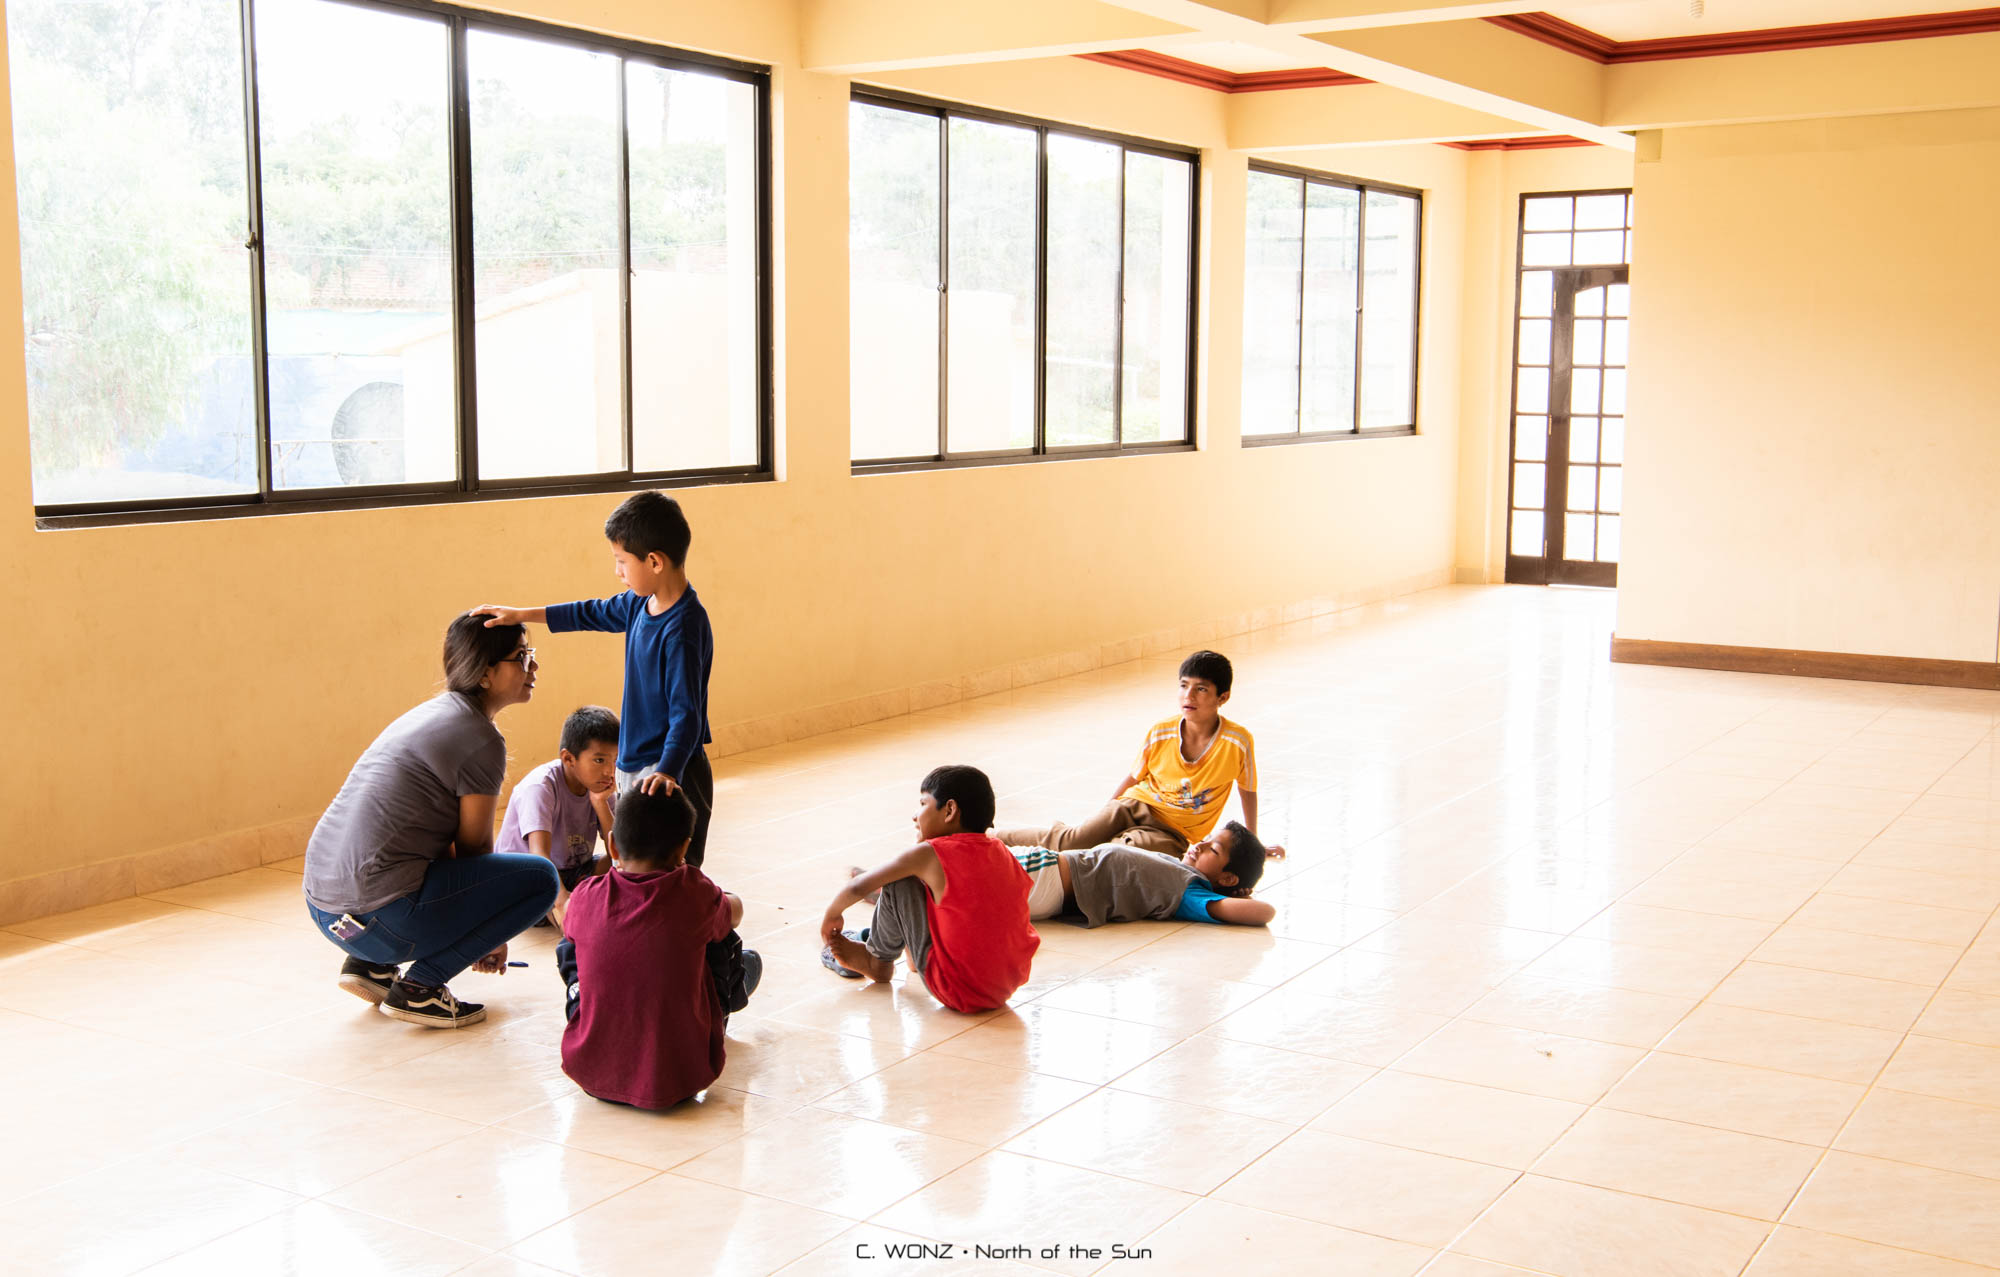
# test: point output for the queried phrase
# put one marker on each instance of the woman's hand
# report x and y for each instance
(494, 963)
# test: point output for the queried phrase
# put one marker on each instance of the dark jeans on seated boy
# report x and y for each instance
(734, 970)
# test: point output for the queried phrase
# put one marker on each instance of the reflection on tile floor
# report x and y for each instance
(1579, 969)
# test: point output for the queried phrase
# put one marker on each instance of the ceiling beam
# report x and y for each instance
(1354, 115)
(854, 37)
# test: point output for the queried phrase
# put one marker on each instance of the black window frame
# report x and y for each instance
(1039, 449)
(467, 485)
(1362, 186)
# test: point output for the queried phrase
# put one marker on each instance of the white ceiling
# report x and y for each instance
(1658, 19)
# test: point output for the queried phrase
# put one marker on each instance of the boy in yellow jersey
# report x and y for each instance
(1176, 789)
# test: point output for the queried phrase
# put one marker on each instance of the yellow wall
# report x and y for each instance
(183, 698)
(1814, 451)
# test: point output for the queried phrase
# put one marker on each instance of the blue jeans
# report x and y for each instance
(465, 910)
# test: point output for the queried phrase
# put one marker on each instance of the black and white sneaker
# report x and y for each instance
(366, 981)
(434, 1008)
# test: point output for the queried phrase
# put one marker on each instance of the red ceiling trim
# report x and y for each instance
(1544, 142)
(1573, 39)
(1208, 77)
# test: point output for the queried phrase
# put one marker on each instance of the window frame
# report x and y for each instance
(1039, 449)
(1361, 186)
(467, 485)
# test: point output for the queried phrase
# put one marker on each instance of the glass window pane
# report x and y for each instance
(1531, 390)
(1611, 489)
(1583, 390)
(1614, 341)
(128, 158)
(548, 327)
(1583, 438)
(1607, 538)
(1612, 448)
(1618, 299)
(1389, 311)
(990, 301)
(1534, 345)
(1545, 250)
(1084, 251)
(1525, 534)
(1600, 212)
(1614, 390)
(692, 141)
(892, 248)
(1158, 194)
(357, 238)
(1590, 302)
(1579, 541)
(1538, 291)
(1587, 341)
(1600, 246)
(1547, 213)
(1531, 438)
(1582, 494)
(1273, 243)
(1530, 485)
(1332, 275)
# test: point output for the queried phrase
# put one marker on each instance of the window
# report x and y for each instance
(1017, 289)
(395, 254)
(1329, 307)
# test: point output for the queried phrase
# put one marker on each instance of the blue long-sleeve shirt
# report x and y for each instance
(667, 663)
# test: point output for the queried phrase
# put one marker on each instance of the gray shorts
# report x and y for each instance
(901, 926)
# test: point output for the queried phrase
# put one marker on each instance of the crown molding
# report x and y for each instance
(1542, 142)
(1583, 43)
(1207, 77)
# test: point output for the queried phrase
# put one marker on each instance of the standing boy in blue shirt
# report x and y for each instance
(669, 650)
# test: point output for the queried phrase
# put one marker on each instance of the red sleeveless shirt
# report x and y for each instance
(981, 939)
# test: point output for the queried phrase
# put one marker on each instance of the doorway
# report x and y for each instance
(1571, 339)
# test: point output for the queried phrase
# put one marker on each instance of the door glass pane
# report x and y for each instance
(1607, 538)
(1274, 240)
(1600, 212)
(128, 161)
(1083, 307)
(1538, 291)
(1529, 485)
(1614, 390)
(692, 146)
(1153, 408)
(1583, 390)
(549, 324)
(1545, 250)
(1525, 534)
(1590, 303)
(1547, 213)
(1534, 347)
(1613, 448)
(1333, 240)
(1618, 299)
(1531, 438)
(1532, 390)
(892, 246)
(1587, 341)
(1583, 438)
(1579, 540)
(1582, 488)
(1389, 312)
(990, 302)
(1614, 340)
(1611, 489)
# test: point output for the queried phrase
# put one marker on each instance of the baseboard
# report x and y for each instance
(82, 886)
(1858, 666)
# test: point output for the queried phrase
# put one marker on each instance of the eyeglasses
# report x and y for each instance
(523, 658)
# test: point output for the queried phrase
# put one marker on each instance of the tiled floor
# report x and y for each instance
(1579, 969)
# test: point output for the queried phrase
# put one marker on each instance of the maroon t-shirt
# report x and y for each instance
(648, 1026)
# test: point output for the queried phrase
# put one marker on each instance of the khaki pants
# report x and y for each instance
(1125, 820)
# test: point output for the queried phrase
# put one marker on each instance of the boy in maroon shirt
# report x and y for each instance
(956, 903)
(652, 962)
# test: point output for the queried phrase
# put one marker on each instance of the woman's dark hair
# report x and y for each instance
(648, 828)
(649, 523)
(1213, 666)
(471, 649)
(966, 786)
(1246, 857)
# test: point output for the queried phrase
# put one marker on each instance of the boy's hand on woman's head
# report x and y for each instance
(498, 614)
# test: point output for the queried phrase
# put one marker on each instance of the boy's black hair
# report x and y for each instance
(650, 828)
(1213, 666)
(588, 725)
(969, 788)
(648, 523)
(1246, 857)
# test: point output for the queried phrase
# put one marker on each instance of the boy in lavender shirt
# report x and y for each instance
(558, 809)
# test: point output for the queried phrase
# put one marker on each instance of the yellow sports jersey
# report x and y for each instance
(1189, 796)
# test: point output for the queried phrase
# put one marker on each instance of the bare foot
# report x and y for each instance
(855, 871)
(855, 957)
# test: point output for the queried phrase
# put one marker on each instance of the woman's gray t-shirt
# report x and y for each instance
(398, 810)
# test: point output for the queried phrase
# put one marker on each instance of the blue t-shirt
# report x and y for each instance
(667, 661)
(1194, 901)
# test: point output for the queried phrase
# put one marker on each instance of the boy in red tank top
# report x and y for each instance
(956, 903)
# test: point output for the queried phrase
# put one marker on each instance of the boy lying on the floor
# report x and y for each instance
(1116, 882)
